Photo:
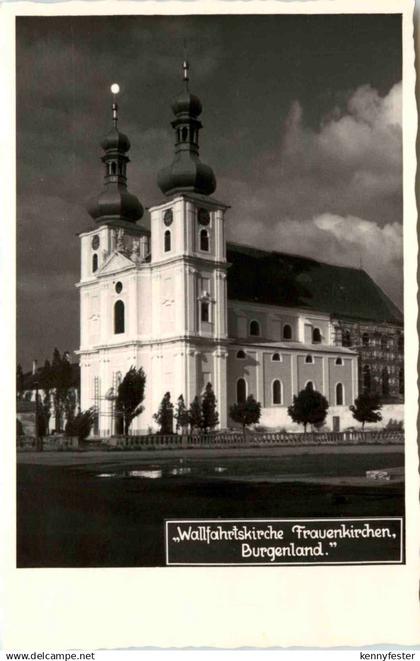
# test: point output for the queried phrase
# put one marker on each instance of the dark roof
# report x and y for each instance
(274, 278)
(30, 379)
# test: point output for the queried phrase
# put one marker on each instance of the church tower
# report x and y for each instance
(113, 253)
(189, 265)
(157, 298)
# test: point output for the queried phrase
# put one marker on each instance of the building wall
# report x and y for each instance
(380, 347)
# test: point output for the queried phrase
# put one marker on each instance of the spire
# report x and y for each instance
(115, 202)
(186, 173)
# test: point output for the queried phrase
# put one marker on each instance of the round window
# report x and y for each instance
(118, 287)
(168, 217)
(95, 242)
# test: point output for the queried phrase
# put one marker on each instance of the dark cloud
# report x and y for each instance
(301, 128)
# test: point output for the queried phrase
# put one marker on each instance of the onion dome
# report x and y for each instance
(187, 104)
(115, 202)
(186, 172)
(115, 140)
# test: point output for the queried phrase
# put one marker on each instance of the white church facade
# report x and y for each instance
(190, 308)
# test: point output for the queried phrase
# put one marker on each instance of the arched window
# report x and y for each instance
(309, 359)
(94, 262)
(276, 357)
(365, 339)
(287, 332)
(385, 382)
(339, 394)
(346, 339)
(366, 378)
(254, 328)
(240, 354)
(276, 392)
(167, 241)
(401, 381)
(309, 385)
(119, 321)
(241, 391)
(204, 311)
(338, 361)
(316, 336)
(184, 134)
(204, 240)
(113, 167)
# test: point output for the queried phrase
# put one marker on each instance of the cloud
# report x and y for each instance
(343, 240)
(332, 192)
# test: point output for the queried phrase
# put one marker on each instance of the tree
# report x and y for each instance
(210, 416)
(309, 407)
(195, 417)
(46, 384)
(81, 424)
(246, 413)
(366, 408)
(165, 416)
(19, 381)
(61, 382)
(181, 415)
(130, 396)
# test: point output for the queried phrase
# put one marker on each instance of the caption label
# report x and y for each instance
(284, 541)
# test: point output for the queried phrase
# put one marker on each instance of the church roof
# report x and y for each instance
(274, 278)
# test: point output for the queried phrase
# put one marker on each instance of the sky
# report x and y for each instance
(302, 127)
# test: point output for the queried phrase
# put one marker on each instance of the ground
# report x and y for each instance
(70, 516)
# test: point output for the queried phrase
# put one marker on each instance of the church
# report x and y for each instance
(190, 308)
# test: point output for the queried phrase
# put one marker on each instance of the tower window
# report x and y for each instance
(276, 392)
(254, 328)
(276, 357)
(204, 240)
(316, 336)
(287, 332)
(339, 394)
(338, 361)
(309, 385)
(205, 311)
(113, 167)
(118, 287)
(167, 241)
(119, 318)
(240, 354)
(184, 134)
(94, 262)
(309, 359)
(241, 391)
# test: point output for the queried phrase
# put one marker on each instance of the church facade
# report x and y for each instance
(190, 308)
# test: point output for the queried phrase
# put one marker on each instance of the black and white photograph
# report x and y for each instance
(210, 327)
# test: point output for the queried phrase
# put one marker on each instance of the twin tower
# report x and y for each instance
(157, 298)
